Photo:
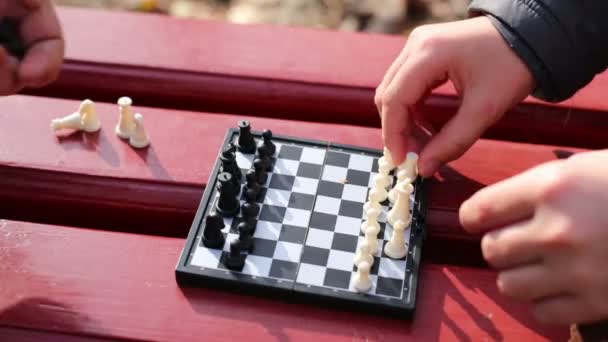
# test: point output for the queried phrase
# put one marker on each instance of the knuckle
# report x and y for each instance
(425, 38)
(554, 180)
(492, 252)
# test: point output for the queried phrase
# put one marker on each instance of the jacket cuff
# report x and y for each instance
(534, 35)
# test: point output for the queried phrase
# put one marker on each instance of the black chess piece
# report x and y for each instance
(260, 171)
(250, 211)
(235, 260)
(264, 154)
(228, 159)
(227, 204)
(267, 136)
(246, 142)
(245, 240)
(213, 236)
(252, 188)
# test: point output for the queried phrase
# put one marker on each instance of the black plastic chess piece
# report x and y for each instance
(245, 239)
(213, 236)
(227, 204)
(267, 136)
(264, 154)
(228, 159)
(235, 260)
(246, 142)
(250, 211)
(252, 188)
(260, 170)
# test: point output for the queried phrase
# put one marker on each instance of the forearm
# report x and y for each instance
(561, 41)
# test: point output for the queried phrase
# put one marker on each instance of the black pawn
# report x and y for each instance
(252, 188)
(228, 159)
(267, 136)
(260, 170)
(235, 260)
(245, 239)
(246, 142)
(250, 211)
(213, 236)
(264, 154)
(227, 204)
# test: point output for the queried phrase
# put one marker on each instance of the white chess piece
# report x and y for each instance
(392, 195)
(364, 254)
(388, 158)
(382, 181)
(372, 204)
(140, 138)
(84, 119)
(401, 209)
(371, 236)
(396, 248)
(371, 220)
(410, 166)
(384, 167)
(126, 122)
(362, 282)
(88, 117)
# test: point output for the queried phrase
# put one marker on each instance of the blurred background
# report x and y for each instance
(378, 16)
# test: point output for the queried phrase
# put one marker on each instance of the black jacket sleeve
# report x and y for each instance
(564, 43)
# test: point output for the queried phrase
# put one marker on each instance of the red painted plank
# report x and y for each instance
(305, 74)
(29, 335)
(80, 281)
(100, 181)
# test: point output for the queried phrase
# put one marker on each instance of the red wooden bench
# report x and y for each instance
(94, 229)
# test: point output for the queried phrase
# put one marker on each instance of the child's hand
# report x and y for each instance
(486, 73)
(549, 236)
(41, 33)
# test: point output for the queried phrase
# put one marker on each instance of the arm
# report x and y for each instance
(562, 42)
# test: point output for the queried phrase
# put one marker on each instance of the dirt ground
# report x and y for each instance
(383, 16)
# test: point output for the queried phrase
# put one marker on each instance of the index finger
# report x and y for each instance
(509, 201)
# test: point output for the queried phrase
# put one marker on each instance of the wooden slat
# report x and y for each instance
(79, 281)
(292, 73)
(98, 180)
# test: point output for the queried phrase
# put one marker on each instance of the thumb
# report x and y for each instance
(475, 115)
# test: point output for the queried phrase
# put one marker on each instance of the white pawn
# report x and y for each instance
(382, 181)
(388, 158)
(392, 195)
(362, 282)
(364, 254)
(126, 122)
(139, 139)
(371, 220)
(384, 167)
(396, 248)
(410, 166)
(401, 209)
(372, 204)
(371, 236)
(85, 119)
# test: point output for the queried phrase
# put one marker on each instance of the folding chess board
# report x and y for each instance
(308, 230)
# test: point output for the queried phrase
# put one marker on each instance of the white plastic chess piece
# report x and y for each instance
(140, 138)
(84, 119)
(410, 166)
(401, 209)
(392, 195)
(396, 248)
(126, 122)
(88, 116)
(364, 254)
(371, 220)
(371, 237)
(384, 167)
(362, 281)
(388, 158)
(382, 181)
(372, 204)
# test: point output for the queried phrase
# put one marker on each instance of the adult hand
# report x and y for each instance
(41, 33)
(486, 73)
(547, 231)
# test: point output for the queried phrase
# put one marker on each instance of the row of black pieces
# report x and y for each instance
(229, 189)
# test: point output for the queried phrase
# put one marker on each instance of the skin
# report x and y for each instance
(545, 230)
(42, 35)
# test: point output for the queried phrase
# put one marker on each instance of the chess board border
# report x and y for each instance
(189, 275)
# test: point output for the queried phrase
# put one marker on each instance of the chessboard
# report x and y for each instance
(306, 228)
